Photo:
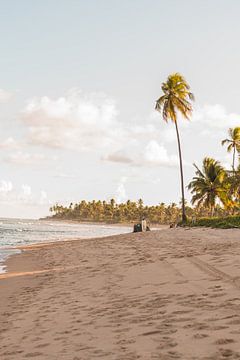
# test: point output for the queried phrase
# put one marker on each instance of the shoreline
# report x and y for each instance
(7, 251)
(161, 294)
(13, 249)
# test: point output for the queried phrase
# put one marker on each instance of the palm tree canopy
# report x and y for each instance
(234, 139)
(176, 97)
(208, 184)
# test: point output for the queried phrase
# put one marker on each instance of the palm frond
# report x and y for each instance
(176, 98)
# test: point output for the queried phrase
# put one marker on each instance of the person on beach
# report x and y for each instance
(144, 224)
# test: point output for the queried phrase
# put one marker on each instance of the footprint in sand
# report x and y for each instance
(180, 312)
(42, 345)
(152, 333)
(234, 322)
(228, 353)
(166, 344)
(174, 355)
(224, 341)
(218, 327)
(34, 354)
(200, 336)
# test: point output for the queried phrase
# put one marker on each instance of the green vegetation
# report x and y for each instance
(216, 186)
(111, 212)
(129, 212)
(217, 222)
(209, 184)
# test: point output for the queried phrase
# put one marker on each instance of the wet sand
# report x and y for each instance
(170, 294)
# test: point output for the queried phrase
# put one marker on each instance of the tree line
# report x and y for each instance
(128, 212)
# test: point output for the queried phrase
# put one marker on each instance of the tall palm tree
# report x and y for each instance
(233, 143)
(176, 99)
(209, 184)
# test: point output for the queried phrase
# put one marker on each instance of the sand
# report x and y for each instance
(170, 294)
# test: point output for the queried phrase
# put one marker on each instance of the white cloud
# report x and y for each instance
(25, 195)
(43, 198)
(154, 141)
(206, 118)
(12, 195)
(76, 121)
(151, 154)
(5, 187)
(9, 143)
(118, 157)
(25, 158)
(90, 123)
(168, 135)
(63, 175)
(121, 195)
(26, 189)
(157, 154)
(5, 96)
(215, 117)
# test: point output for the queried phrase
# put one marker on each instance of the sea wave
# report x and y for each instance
(15, 232)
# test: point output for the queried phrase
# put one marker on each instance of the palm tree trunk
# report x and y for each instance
(184, 217)
(212, 210)
(233, 165)
(234, 175)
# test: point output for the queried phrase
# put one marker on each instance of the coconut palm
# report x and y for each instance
(209, 185)
(233, 181)
(176, 99)
(233, 143)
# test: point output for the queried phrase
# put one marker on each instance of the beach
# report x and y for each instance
(169, 294)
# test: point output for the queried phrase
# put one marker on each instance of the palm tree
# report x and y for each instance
(233, 182)
(233, 143)
(176, 99)
(209, 184)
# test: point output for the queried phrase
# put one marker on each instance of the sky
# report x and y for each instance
(78, 84)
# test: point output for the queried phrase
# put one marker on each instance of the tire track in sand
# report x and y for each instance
(212, 271)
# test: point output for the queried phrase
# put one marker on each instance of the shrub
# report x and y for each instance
(227, 222)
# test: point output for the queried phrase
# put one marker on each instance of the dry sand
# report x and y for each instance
(170, 294)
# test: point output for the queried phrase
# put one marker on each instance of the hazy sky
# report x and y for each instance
(78, 84)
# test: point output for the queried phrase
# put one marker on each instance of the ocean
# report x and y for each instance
(15, 232)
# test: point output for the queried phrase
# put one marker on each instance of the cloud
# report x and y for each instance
(9, 143)
(121, 195)
(215, 116)
(206, 118)
(118, 157)
(152, 154)
(214, 119)
(24, 158)
(62, 175)
(5, 187)
(11, 195)
(76, 121)
(43, 198)
(5, 96)
(26, 189)
(91, 123)
(156, 154)
(153, 142)
(24, 196)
